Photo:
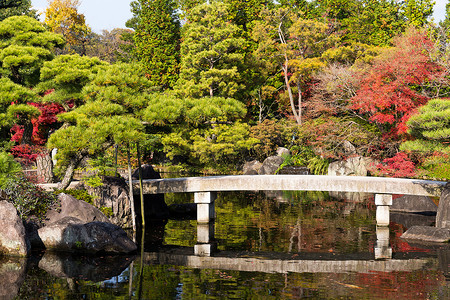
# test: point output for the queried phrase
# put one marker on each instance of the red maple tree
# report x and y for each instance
(396, 84)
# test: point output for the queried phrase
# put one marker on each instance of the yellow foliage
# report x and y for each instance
(61, 16)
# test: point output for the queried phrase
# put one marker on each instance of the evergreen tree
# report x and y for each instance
(430, 127)
(211, 53)
(25, 45)
(418, 11)
(9, 8)
(157, 40)
(65, 76)
(110, 115)
(375, 22)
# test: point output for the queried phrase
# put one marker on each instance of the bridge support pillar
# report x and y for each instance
(205, 206)
(383, 201)
(382, 249)
(206, 244)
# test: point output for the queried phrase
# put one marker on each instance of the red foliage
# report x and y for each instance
(392, 90)
(41, 127)
(398, 166)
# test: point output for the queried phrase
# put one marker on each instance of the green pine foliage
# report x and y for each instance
(9, 8)
(211, 53)
(11, 92)
(25, 45)
(8, 168)
(157, 40)
(430, 127)
(114, 99)
(65, 76)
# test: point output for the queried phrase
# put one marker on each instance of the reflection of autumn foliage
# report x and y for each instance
(399, 245)
(400, 285)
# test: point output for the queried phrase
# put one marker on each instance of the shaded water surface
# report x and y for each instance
(269, 246)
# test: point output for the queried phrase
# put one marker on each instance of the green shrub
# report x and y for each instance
(28, 199)
(8, 167)
(305, 156)
(79, 194)
(271, 135)
(436, 167)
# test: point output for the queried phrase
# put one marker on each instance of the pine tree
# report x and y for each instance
(210, 53)
(430, 127)
(418, 11)
(9, 8)
(157, 41)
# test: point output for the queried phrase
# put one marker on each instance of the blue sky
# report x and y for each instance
(110, 14)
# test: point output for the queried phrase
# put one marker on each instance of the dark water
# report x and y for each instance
(268, 246)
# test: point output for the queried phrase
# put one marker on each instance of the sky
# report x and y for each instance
(110, 14)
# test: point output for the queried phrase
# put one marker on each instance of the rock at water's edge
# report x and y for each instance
(12, 232)
(72, 207)
(413, 204)
(70, 234)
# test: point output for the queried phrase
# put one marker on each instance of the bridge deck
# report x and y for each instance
(378, 185)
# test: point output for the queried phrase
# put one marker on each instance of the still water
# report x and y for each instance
(281, 245)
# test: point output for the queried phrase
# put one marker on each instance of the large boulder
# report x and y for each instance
(13, 239)
(353, 166)
(441, 232)
(114, 194)
(414, 204)
(72, 207)
(251, 167)
(72, 235)
(270, 165)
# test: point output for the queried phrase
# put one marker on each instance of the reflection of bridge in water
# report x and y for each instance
(284, 263)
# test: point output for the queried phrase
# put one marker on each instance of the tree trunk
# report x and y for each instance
(45, 168)
(27, 133)
(70, 171)
(284, 67)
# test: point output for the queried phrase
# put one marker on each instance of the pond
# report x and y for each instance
(272, 245)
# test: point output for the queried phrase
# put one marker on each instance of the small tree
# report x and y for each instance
(109, 116)
(295, 46)
(397, 84)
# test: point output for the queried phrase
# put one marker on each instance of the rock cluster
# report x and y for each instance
(268, 167)
(76, 226)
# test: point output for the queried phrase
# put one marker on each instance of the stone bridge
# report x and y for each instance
(205, 188)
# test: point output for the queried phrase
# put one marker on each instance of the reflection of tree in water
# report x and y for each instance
(307, 221)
